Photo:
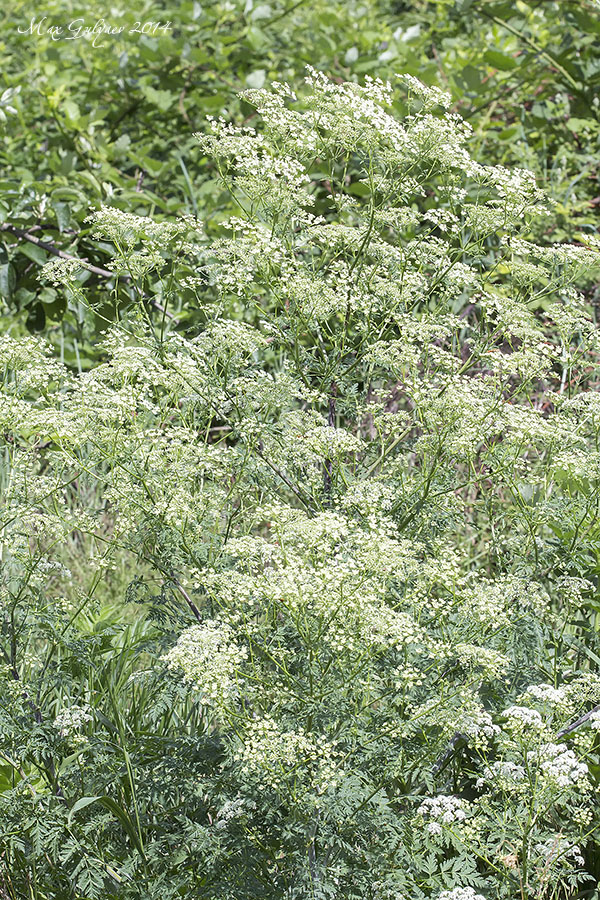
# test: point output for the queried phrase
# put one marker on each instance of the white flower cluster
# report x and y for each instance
(341, 589)
(209, 659)
(30, 363)
(595, 720)
(430, 96)
(275, 181)
(487, 603)
(578, 464)
(521, 718)
(559, 254)
(557, 698)
(586, 406)
(331, 442)
(137, 264)
(559, 764)
(275, 756)
(491, 662)
(72, 719)
(442, 810)
(503, 774)
(477, 724)
(126, 229)
(460, 893)
(253, 252)
(231, 810)
(60, 271)
(226, 339)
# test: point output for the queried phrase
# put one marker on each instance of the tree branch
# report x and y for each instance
(51, 248)
(580, 721)
(56, 251)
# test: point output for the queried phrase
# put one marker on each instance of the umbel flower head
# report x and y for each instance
(209, 660)
(72, 719)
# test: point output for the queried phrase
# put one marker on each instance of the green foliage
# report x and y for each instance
(348, 497)
(299, 562)
(110, 119)
(104, 119)
(526, 75)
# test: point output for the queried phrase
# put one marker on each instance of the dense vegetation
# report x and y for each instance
(301, 465)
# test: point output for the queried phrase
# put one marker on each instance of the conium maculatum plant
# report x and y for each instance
(339, 501)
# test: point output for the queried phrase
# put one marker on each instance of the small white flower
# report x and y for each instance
(595, 720)
(524, 717)
(443, 810)
(461, 893)
(72, 719)
(559, 764)
(209, 660)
